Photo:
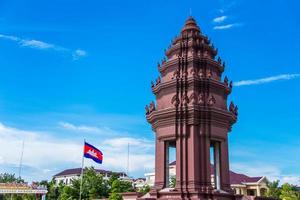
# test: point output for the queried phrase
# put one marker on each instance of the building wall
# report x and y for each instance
(67, 179)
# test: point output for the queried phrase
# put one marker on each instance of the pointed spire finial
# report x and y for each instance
(190, 12)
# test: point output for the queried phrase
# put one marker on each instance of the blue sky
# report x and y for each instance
(82, 69)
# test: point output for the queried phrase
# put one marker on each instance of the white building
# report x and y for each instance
(68, 175)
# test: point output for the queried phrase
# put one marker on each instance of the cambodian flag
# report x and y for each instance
(93, 153)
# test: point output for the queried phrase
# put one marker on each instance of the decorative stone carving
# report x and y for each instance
(226, 81)
(185, 74)
(219, 60)
(152, 84)
(211, 100)
(231, 107)
(208, 73)
(201, 100)
(201, 75)
(152, 107)
(176, 74)
(193, 99)
(158, 66)
(185, 100)
(194, 72)
(147, 109)
(175, 100)
(230, 84)
(236, 111)
(223, 64)
(158, 80)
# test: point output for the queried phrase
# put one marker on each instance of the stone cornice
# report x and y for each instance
(206, 60)
(190, 115)
(191, 81)
(191, 44)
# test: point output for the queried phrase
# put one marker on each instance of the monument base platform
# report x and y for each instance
(182, 195)
(175, 195)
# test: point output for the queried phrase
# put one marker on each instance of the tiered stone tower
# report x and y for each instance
(191, 115)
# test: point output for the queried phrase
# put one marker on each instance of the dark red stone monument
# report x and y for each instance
(191, 115)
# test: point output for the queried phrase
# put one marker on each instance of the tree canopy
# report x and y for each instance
(284, 192)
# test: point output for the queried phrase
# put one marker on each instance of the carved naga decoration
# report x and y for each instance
(233, 109)
(152, 84)
(147, 109)
(158, 66)
(152, 107)
(226, 81)
(158, 80)
(219, 60)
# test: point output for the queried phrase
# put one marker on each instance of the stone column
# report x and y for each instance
(224, 161)
(159, 164)
(204, 160)
(216, 146)
(167, 162)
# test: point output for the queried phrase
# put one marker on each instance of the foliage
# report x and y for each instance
(274, 190)
(115, 196)
(54, 190)
(289, 192)
(10, 178)
(285, 192)
(119, 186)
(145, 189)
(173, 182)
(93, 187)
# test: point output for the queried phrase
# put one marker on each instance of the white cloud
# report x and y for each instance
(220, 19)
(80, 128)
(36, 44)
(47, 154)
(227, 26)
(266, 80)
(141, 153)
(295, 180)
(40, 45)
(78, 54)
(9, 37)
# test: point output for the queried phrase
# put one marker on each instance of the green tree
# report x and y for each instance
(10, 178)
(54, 190)
(289, 192)
(145, 189)
(93, 187)
(118, 187)
(273, 189)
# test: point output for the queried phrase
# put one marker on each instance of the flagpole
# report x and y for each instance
(21, 160)
(128, 160)
(82, 165)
